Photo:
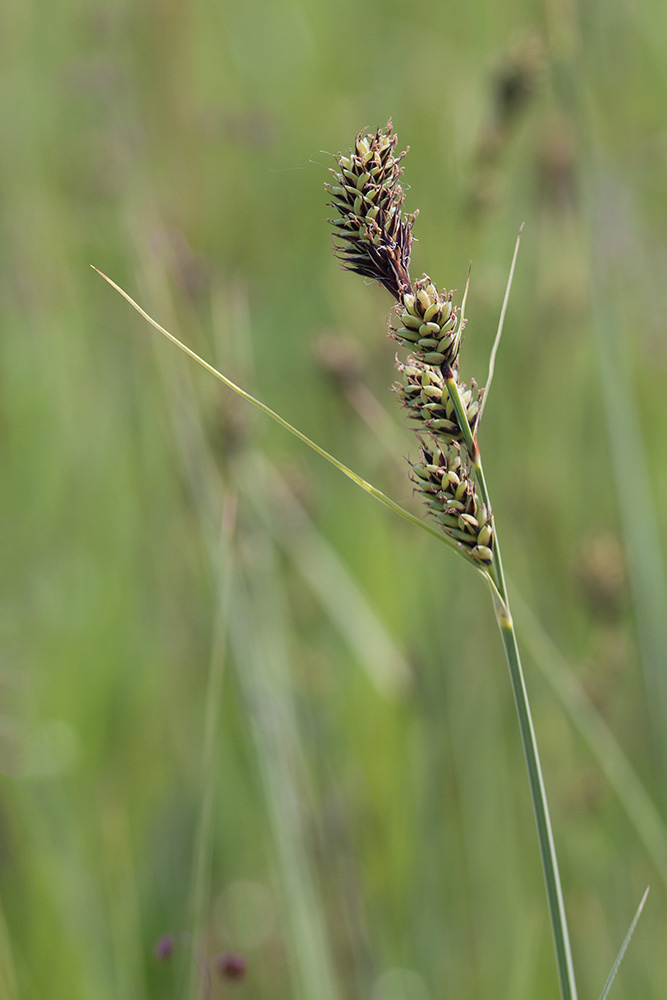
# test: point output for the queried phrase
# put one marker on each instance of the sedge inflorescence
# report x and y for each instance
(373, 237)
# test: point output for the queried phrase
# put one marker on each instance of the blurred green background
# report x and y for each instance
(241, 703)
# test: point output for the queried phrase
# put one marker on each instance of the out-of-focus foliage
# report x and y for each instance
(356, 824)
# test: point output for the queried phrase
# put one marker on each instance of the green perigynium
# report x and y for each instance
(429, 324)
(424, 395)
(373, 237)
(443, 477)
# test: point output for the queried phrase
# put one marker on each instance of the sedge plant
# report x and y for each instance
(373, 237)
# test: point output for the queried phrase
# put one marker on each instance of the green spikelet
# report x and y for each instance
(424, 395)
(428, 323)
(443, 478)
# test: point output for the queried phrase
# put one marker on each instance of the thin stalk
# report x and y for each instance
(499, 332)
(624, 947)
(538, 793)
(568, 989)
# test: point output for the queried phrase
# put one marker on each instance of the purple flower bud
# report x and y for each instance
(231, 965)
(164, 948)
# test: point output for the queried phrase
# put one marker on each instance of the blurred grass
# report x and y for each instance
(354, 829)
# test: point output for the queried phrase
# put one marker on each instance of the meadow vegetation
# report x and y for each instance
(243, 705)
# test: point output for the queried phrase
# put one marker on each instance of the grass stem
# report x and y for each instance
(538, 793)
(545, 837)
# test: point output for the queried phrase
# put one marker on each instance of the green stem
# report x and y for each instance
(538, 793)
(568, 988)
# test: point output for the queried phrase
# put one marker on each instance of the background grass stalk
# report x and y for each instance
(202, 863)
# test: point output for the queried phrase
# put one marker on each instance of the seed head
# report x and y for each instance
(423, 393)
(373, 237)
(428, 324)
(371, 234)
(444, 478)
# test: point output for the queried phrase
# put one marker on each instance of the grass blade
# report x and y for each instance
(624, 946)
(361, 483)
(499, 331)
